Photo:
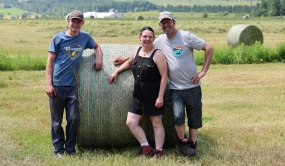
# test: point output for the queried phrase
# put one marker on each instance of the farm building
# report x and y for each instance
(111, 14)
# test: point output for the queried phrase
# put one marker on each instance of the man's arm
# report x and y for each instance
(49, 69)
(97, 65)
(120, 60)
(207, 62)
(125, 66)
(208, 57)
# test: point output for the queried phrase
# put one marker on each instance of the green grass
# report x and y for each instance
(22, 63)
(241, 54)
(28, 51)
(8, 13)
(12, 11)
(243, 112)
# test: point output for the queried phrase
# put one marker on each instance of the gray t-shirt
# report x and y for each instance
(180, 58)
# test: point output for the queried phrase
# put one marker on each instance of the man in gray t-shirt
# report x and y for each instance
(184, 80)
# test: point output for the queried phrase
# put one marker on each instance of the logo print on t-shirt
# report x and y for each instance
(177, 50)
(73, 50)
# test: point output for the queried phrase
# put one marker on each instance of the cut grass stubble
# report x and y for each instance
(243, 116)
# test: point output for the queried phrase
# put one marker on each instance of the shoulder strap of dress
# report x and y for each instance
(151, 56)
(139, 49)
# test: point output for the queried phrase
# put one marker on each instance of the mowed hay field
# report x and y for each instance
(243, 105)
(32, 37)
(243, 116)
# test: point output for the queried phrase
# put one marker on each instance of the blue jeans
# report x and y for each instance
(66, 98)
(191, 99)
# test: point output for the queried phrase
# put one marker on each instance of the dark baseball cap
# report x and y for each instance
(76, 14)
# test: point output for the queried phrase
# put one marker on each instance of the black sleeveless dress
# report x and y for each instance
(146, 86)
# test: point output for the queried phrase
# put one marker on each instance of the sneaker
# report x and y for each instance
(58, 155)
(146, 150)
(157, 155)
(187, 140)
(185, 147)
(193, 146)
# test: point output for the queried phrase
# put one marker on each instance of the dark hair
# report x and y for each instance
(147, 28)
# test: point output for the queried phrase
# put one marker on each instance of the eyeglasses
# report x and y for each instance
(166, 22)
(145, 37)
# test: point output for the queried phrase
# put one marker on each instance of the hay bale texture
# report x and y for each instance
(246, 34)
(103, 107)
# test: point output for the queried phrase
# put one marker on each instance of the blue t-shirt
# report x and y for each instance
(68, 52)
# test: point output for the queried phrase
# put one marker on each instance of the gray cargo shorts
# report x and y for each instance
(188, 100)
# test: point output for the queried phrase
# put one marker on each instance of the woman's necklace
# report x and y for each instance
(145, 54)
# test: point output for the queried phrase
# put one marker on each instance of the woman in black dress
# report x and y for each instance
(149, 69)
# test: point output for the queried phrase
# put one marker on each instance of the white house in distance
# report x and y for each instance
(111, 14)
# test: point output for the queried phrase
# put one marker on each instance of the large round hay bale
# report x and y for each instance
(103, 107)
(246, 34)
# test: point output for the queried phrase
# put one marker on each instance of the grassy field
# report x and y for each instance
(12, 12)
(243, 121)
(243, 104)
(27, 40)
(32, 37)
(9, 13)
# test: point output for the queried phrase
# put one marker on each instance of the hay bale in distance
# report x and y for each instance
(67, 16)
(139, 18)
(103, 107)
(242, 33)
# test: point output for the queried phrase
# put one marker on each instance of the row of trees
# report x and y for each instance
(63, 7)
(265, 8)
(207, 8)
(271, 7)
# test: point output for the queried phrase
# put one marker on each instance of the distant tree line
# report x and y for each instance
(7, 6)
(271, 7)
(62, 7)
(207, 8)
(9, 1)
(265, 8)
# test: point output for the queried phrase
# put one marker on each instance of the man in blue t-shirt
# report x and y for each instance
(65, 53)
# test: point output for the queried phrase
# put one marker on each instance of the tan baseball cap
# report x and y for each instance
(165, 14)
